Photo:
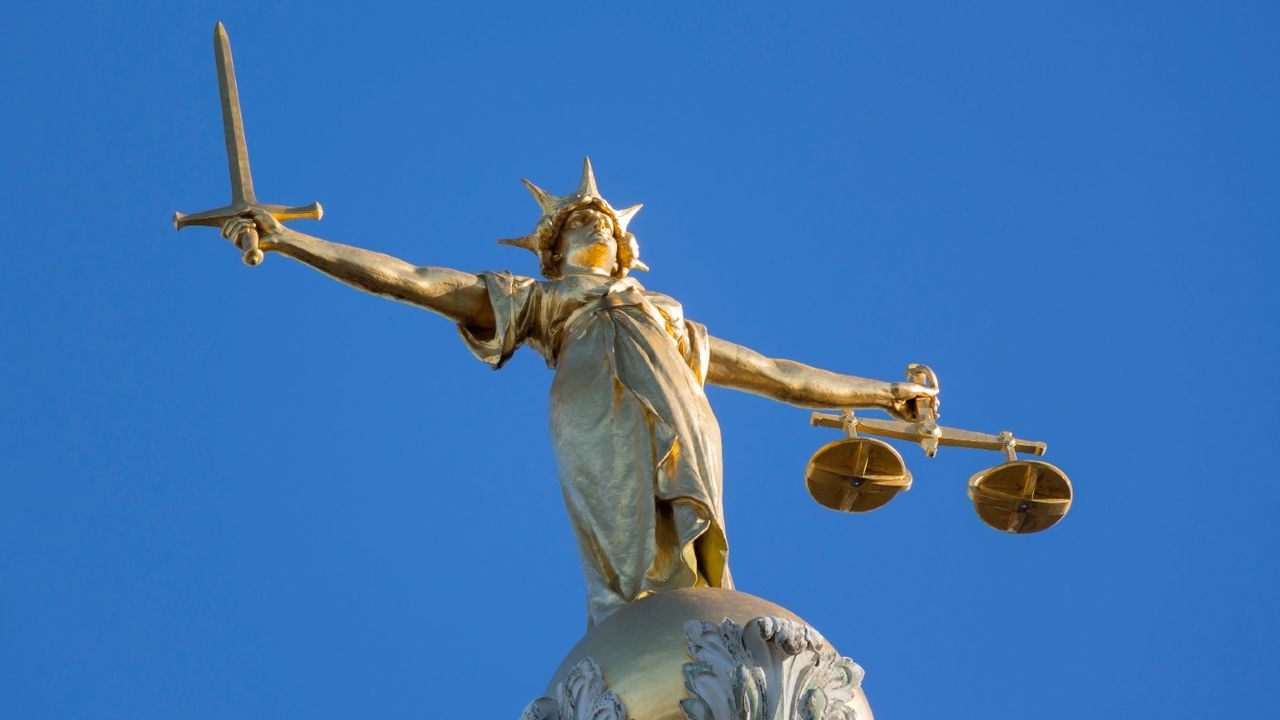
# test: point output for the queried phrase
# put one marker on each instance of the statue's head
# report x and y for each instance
(583, 222)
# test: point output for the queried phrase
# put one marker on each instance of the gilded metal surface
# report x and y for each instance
(948, 436)
(636, 443)
(556, 210)
(1021, 496)
(926, 409)
(856, 475)
(243, 198)
(859, 474)
(642, 648)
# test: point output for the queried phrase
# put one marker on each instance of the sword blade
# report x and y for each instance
(232, 122)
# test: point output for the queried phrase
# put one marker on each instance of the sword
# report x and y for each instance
(242, 196)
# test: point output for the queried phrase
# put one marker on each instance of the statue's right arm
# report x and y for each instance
(459, 296)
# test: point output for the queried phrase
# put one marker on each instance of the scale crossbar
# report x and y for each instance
(952, 437)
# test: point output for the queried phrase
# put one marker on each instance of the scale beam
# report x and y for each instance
(911, 432)
(1016, 496)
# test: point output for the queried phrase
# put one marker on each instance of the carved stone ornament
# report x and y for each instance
(770, 669)
(582, 696)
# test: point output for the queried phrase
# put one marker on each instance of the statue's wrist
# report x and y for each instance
(276, 241)
(887, 395)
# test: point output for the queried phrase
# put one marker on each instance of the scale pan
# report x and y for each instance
(856, 474)
(1021, 496)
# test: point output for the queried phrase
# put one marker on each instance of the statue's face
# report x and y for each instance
(587, 243)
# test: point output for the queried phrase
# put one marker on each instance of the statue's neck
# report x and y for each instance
(568, 270)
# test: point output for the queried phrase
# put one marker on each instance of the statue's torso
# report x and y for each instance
(636, 444)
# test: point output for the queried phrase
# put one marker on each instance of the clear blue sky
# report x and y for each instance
(234, 493)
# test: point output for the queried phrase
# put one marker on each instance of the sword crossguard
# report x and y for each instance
(248, 240)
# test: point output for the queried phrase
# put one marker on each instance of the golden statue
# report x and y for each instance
(638, 448)
(637, 445)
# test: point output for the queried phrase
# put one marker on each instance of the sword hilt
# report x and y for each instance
(247, 241)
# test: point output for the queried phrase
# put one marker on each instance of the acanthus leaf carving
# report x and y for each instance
(582, 696)
(770, 669)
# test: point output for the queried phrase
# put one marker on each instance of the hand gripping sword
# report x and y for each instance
(242, 197)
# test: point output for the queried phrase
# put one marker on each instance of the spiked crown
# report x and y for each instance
(542, 241)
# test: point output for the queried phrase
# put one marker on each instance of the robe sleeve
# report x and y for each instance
(690, 337)
(514, 301)
(696, 349)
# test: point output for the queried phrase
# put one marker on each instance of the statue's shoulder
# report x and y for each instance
(506, 282)
(669, 306)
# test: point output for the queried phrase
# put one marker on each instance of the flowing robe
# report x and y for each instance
(636, 444)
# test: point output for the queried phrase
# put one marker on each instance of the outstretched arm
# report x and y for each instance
(459, 296)
(791, 382)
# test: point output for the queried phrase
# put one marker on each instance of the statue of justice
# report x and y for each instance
(636, 443)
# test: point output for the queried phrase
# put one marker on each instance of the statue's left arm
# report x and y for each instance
(787, 381)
